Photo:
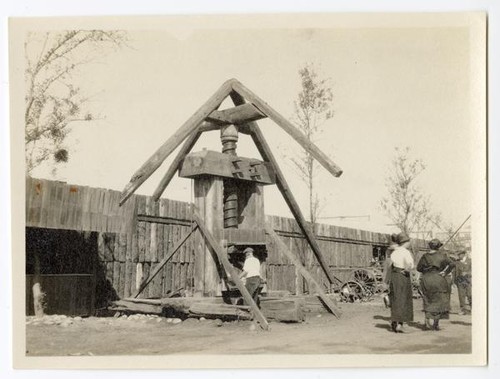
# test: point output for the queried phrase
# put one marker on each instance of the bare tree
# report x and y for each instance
(53, 101)
(313, 107)
(406, 204)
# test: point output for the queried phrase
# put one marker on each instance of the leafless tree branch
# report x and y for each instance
(53, 101)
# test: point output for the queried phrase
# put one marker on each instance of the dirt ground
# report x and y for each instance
(363, 328)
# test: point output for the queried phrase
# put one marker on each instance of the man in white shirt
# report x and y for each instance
(251, 274)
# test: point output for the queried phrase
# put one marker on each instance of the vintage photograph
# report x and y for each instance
(308, 186)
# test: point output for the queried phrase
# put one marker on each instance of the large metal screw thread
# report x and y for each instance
(229, 138)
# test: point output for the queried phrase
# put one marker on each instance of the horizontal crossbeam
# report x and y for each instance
(237, 115)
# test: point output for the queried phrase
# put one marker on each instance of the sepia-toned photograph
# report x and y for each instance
(274, 190)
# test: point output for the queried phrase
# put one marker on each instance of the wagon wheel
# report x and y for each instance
(380, 286)
(352, 291)
(366, 279)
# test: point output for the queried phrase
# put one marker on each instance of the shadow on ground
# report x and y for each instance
(461, 323)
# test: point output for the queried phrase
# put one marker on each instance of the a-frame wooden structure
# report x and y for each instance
(248, 108)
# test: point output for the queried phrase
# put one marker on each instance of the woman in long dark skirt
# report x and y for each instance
(434, 266)
(400, 288)
(386, 275)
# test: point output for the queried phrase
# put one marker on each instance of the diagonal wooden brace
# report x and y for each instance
(329, 303)
(287, 126)
(164, 261)
(215, 246)
(267, 155)
(150, 166)
(185, 149)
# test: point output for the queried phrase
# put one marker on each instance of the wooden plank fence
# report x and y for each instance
(129, 247)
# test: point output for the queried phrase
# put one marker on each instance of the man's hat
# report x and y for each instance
(402, 238)
(248, 250)
(435, 244)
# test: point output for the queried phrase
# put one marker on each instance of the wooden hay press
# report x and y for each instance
(228, 192)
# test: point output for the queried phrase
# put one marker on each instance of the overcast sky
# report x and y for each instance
(394, 86)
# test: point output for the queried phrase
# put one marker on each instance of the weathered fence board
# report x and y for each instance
(64, 294)
(123, 241)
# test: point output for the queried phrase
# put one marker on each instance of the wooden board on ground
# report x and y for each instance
(313, 304)
(128, 306)
(289, 309)
(222, 311)
(283, 310)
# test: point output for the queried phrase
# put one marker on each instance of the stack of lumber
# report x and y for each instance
(283, 309)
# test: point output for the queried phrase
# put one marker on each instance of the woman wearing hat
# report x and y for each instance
(386, 275)
(393, 244)
(400, 288)
(434, 266)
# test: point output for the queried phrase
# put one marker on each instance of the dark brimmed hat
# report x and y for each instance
(394, 238)
(435, 244)
(248, 250)
(402, 238)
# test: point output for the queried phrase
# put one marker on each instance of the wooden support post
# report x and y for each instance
(160, 265)
(288, 127)
(208, 197)
(215, 246)
(329, 303)
(150, 166)
(267, 155)
(185, 149)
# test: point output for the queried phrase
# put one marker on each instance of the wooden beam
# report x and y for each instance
(214, 163)
(210, 310)
(288, 127)
(208, 127)
(284, 309)
(328, 303)
(267, 155)
(164, 220)
(243, 129)
(130, 307)
(208, 200)
(237, 115)
(215, 246)
(160, 265)
(150, 166)
(185, 149)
